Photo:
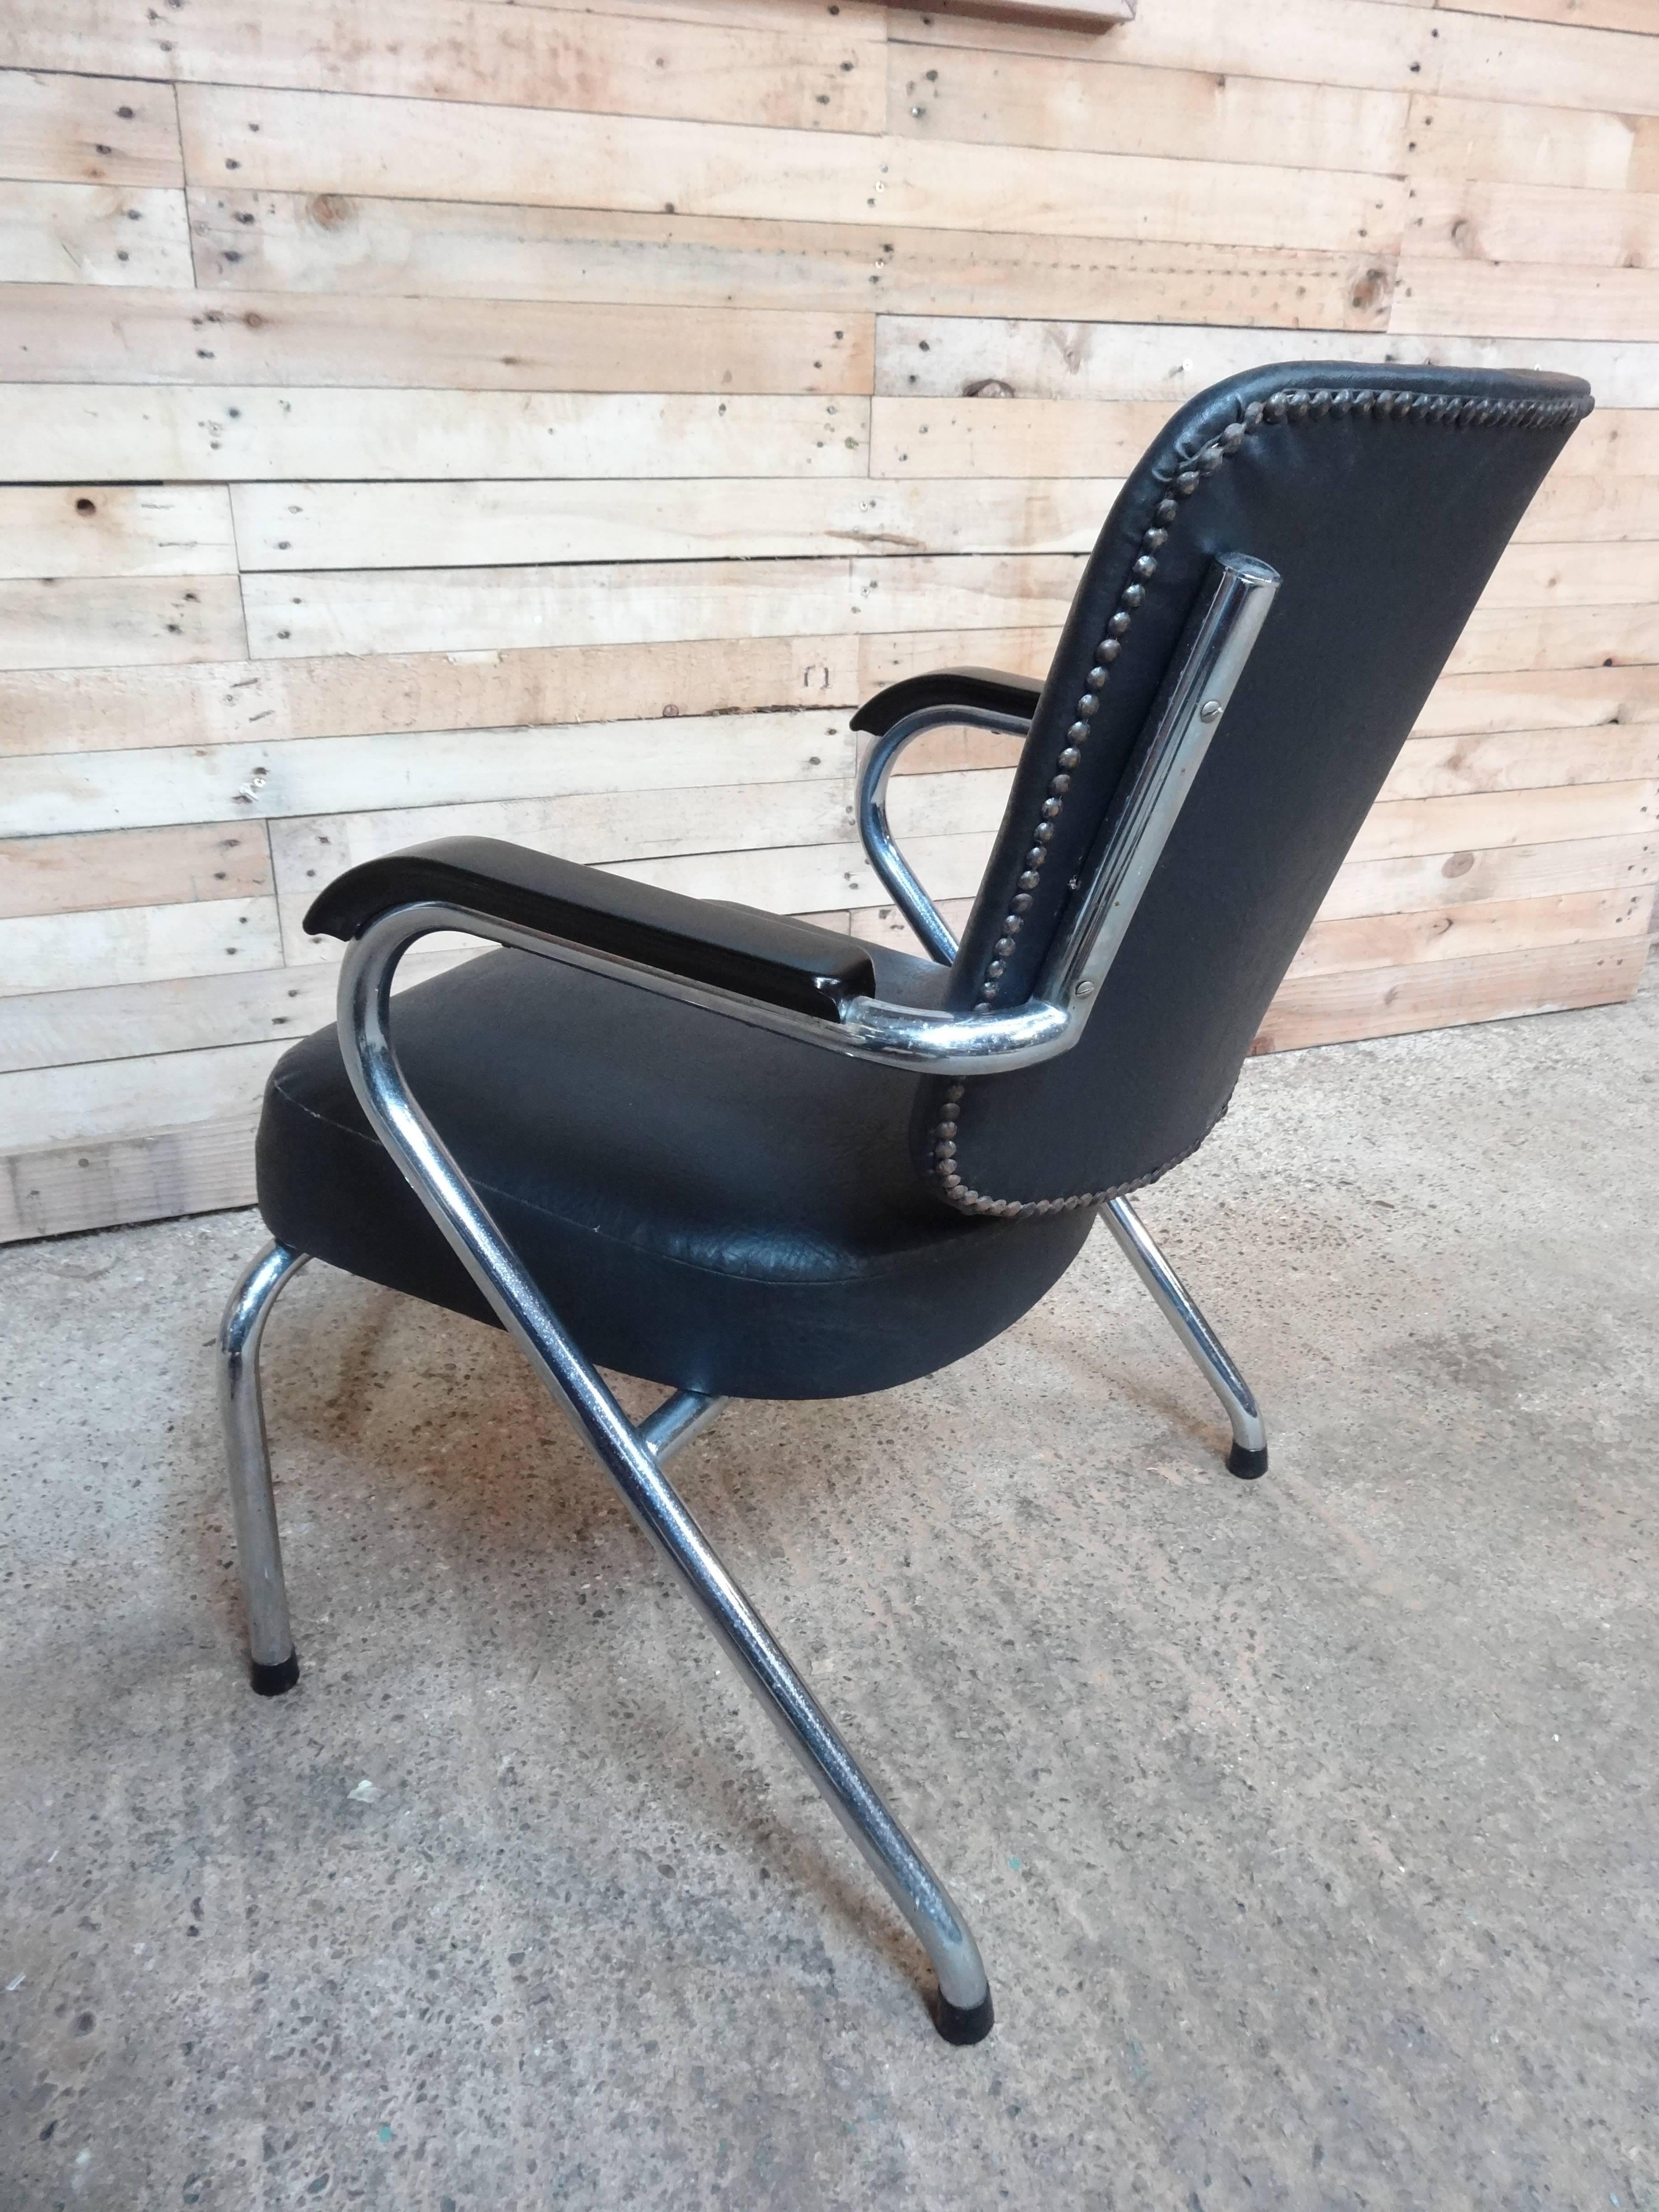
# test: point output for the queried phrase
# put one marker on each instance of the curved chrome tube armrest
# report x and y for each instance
(924, 1038)
(885, 858)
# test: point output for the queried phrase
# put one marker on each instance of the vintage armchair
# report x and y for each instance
(743, 1156)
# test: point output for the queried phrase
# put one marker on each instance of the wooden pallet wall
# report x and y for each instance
(552, 421)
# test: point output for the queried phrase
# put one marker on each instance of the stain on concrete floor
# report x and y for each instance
(1308, 1826)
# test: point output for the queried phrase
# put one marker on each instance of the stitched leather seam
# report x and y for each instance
(1292, 406)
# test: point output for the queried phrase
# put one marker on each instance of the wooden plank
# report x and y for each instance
(49, 1107)
(41, 796)
(1575, 509)
(79, 433)
(1524, 760)
(1501, 639)
(808, 879)
(298, 526)
(1092, 102)
(136, 944)
(105, 234)
(185, 1013)
(67, 334)
(58, 1191)
(1014, 437)
(1470, 932)
(1026, 650)
(817, 72)
(939, 356)
(44, 711)
(92, 621)
(1581, 698)
(599, 829)
(1503, 143)
(1532, 575)
(471, 610)
(1431, 881)
(1559, 300)
(1478, 821)
(328, 242)
(389, 148)
(1449, 220)
(92, 529)
(132, 868)
(87, 131)
(993, 436)
(1589, 14)
(1445, 994)
(1369, 43)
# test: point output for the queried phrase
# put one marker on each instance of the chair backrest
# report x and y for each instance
(1384, 498)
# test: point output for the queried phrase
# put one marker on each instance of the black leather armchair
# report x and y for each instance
(743, 1156)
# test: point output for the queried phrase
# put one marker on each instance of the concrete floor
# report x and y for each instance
(1308, 1826)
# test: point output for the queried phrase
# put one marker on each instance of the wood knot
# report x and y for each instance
(331, 210)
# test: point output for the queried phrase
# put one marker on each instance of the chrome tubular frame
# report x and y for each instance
(258, 1548)
(1248, 1454)
(1218, 643)
(885, 858)
(633, 1458)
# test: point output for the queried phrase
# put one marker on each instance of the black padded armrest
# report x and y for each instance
(949, 687)
(734, 948)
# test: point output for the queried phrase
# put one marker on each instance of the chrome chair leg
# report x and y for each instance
(633, 1459)
(274, 1665)
(1249, 1455)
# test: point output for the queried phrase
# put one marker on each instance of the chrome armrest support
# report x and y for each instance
(1218, 641)
(885, 858)
(928, 1039)
(920, 1037)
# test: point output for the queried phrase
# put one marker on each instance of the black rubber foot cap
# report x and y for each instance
(1249, 1464)
(957, 2025)
(271, 1682)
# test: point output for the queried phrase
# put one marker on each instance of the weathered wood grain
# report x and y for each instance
(76, 874)
(1503, 143)
(818, 72)
(40, 796)
(94, 622)
(1430, 881)
(87, 131)
(299, 526)
(1524, 760)
(939, 356)
(1367, 43)
(93, 529)
(1449, 220)
(1470, 932)
(65, 333)
(1524, 299)
(332, 242)
(51, 711)
(309, 143)
(136, 944)
(206, 433)
(1091, 102)
(83, 234)
(56, 1190)
(1443, 994)
(473, 610)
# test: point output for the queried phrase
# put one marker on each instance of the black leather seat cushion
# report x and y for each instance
(705, 1204)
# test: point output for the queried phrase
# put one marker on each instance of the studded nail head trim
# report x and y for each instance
(1446, 410)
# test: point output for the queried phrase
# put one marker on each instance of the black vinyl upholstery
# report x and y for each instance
(733, 1210)
(705, 1204)
(1383, 500)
